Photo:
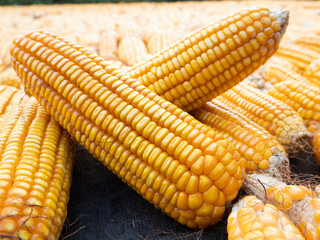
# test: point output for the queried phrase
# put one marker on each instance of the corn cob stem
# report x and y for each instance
(252, 219)
(260, 149)
(36, 158)
(213, 59)
(272, 114)
(187, 174)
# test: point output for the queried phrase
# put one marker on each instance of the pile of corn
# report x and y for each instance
(185, 114)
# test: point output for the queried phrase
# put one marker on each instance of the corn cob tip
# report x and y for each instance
(282, 17)
(278, 164)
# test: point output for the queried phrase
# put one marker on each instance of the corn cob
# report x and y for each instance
(108, 45)
(299, 203)
(36, 164)
(276, 60)
(312, 72)
(309, 41)
(186, 173)
(316, 146)
(261, 150)
(4, 54)
(132, 50)
(252, 219)
(273, 74)
(159, 40)
(275, 116)
(89, 39)
(9, 77)
(213, 59)
(301, 96)
(299, 56)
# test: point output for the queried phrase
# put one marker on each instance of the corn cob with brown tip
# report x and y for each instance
(260, 149)
(148, 142)
(108, 45)
(298, 55)
(301, 96)
(132, 50)
(36, 165)
(252, 219)
(312, 72)
(213, 59)
(309, 41)
(299, 203)
(9, 77)
(275, 116)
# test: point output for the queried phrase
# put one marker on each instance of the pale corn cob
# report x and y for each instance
(260, 149)
(298, 202)
(274, 74)
(280, 61)
(36, 165)
(252, 219)
(309, 41)
(159, 40)
(312, 72)
(10, 78)
(148, 142)
(88, 39)
(301, 96)
(4, 53)
(108, 45)
(299, 56)
(275, 116)
(213, 59)
(132, 50)
(128, 29)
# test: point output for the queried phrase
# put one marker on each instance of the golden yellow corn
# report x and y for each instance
(298, 55)
(308, 41)
(155, 147)
(260, 149)
(253, 220)
(301, 96)
(316, 146)
(10, 97)
(132, 50)
(275, 73)
(108, 45)
(35, 173)
(275, 116)
(213, 59)
(298, 202)
(280, 61)
(312, 72)
(10, 78)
